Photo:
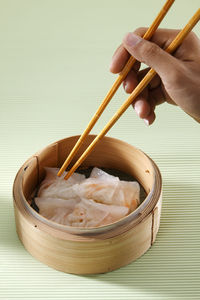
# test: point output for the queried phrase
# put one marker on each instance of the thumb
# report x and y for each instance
(150, 54)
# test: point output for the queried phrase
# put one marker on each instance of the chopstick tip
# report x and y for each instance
(59, 173)
(67, 176)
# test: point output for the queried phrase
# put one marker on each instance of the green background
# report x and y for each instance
(54, 72)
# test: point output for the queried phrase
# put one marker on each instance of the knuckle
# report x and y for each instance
(149, 51)
(152, 50)
(177, 76)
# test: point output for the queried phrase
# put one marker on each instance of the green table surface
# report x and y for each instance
(54, 72)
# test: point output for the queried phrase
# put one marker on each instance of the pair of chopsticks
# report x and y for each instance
(139, 88)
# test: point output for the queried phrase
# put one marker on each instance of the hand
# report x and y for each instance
(178, 79)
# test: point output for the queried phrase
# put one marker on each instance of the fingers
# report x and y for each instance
(147, 101)
(121, 56)
(145, 110)
(119, 59)
(152, 96)
(156, 97)
(130, 82)
(161, 37)
(142, 108)
(150, 54)
(154, 83)
(172, 70)
(150, 119)
(134, 78)
(144, 105)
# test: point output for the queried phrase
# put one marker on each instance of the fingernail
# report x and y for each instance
(125, 87)
(146, 122)
(132, 39)
(111, 64)
(138, 110)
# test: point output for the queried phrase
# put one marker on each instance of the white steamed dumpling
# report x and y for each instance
(86, 202)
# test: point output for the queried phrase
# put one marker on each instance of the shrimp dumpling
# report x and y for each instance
(108, 189)
(98, 200)
(56, 187)
(88, 213)
(55, 209)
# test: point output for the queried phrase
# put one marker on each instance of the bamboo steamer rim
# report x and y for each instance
(106, 231)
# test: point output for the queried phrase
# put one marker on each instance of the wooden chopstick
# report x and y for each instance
(139, 88)
(149, 33)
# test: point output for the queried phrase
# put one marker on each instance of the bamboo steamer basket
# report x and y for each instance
(89, 250)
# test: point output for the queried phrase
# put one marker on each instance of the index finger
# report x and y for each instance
(121, 55)
(119, 59)
(162, 37)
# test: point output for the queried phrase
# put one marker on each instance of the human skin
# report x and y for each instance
(178, 77)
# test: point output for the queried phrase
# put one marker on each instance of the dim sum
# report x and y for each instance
(98, 200)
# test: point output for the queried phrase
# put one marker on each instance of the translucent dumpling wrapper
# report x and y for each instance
(98, 200)
(108, 189)
(88, 213)
(55, 209)
(56, 187)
